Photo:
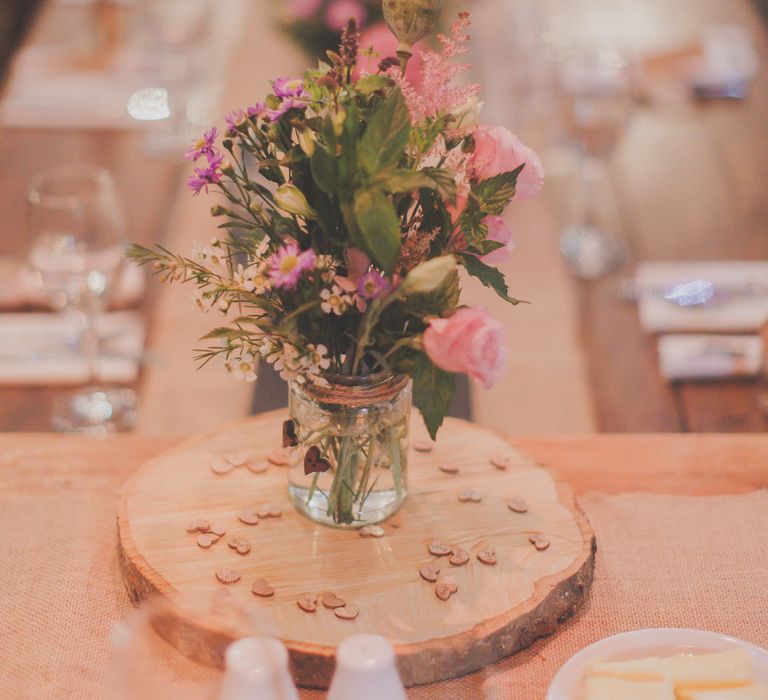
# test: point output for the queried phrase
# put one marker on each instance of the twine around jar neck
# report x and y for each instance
(356, 390)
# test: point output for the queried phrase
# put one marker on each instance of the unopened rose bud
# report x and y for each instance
(307, 142)
(428, 276)
(291, 199)
(337, 119)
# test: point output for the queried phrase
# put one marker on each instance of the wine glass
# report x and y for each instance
(595, 87)
(77, 234)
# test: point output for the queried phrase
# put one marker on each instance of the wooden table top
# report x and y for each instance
(691, 182)
(668, 464)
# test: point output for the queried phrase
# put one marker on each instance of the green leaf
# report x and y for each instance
(325, 171)
(494, 194)
(433, 390)
(403, 180)
(350, 135)
(386, 137)
(439, 302)
(489, 276)
(379, 227)
(471, 224)
(371, 83)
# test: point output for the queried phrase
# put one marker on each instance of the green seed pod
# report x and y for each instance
(411, 20)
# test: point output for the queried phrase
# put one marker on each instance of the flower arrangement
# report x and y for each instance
(350, 201)
(316, 25)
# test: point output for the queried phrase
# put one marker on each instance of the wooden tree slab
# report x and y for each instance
(497, 611)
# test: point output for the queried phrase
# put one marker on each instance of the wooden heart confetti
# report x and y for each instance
(199, 525)
(500, 461)
(314, 462)
(332, 601)
(221, 467)
(349, 612)
(275, 512)
(458, 557)
(227, 576)
(423, 445)
(279, 458)
(448, 468)
(487, 555)
(206, 539)
(517, 505)
(248, 516)
(290, 439)
(241, 546)
(217, 529)
(429, 573)
(237, 459)
(371, 531)
(539, 541)
(262, 589)
(445, 589)
(257, 467)
(470, 496)
(438, 549)
(308, 603)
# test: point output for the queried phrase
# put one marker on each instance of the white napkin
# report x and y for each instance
(41, 348)
(19, 287)
(743, 284)
(694, 356)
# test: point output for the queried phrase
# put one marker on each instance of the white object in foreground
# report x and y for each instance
(257, 668)
(651, 642)
(365, 668)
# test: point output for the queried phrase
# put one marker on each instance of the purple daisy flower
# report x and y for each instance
(234, 119)
(209, 175)
(204, 146)
(373, 285)
(289, 87)
(256, 110)
(287, 264)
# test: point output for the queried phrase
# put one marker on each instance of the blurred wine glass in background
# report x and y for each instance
(77, 241)
(595, 89)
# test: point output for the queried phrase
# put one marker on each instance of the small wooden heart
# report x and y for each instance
(290, 439)
(314, 462)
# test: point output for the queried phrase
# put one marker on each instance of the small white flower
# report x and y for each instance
(317, 358)
(244, 367)
(199, 299)
(334, 300)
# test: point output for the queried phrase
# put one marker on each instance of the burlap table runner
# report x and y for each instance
(662, 561)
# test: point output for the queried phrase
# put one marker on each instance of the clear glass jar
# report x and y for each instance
(350, 448)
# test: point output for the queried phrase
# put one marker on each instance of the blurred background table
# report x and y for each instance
(690, 182)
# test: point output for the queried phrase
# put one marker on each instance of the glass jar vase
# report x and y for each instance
(348, 465)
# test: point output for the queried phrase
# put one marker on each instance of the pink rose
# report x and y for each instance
(383, 41)
(339, 13)
(498, 231)
(470, 341)
(303, 9)
(498, 150)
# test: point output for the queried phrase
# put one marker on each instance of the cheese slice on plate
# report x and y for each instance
(724, 669)
(618, 688)
(751, 692)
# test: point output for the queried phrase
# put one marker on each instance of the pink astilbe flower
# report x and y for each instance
(204, 146)
(437, 94)
(211, 174)
(287, 264)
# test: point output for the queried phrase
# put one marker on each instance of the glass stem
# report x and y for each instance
(89, 337)
(589, 170)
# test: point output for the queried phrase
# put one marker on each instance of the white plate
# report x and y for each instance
(649, 642)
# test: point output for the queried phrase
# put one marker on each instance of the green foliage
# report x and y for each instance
(379, 227)
(489, 276)
(384, 141)
(433, 390)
